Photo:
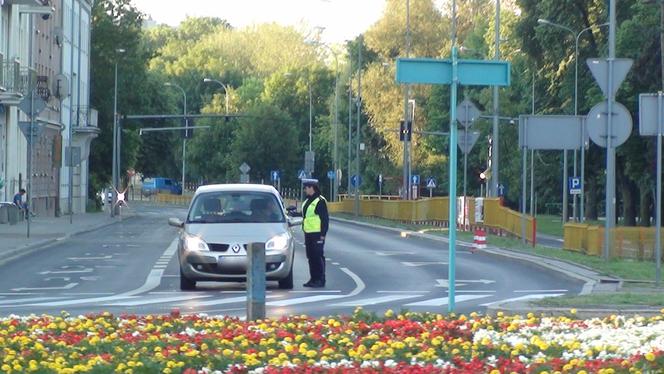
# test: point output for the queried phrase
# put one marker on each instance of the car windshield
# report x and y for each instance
(236, 207)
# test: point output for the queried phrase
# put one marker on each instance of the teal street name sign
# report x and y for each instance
(470, 72)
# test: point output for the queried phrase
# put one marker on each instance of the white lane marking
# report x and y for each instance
(232, 300)
(359, 284)
(17, 293)
(304, 300)
(336, 263)
(153, 280)
(86, 270)
(90, 258)
(66, 287)
(159, 300)
(445, 300)
(379, 253)
(403, 292)
(314, 291)
(522, 298)
(415, 264)
(27, 300)
(376, 300)
(66, 279)
(170, 276)
(359, 287)
(538, 291)
(218, 311)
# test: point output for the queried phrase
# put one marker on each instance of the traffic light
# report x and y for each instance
(406, 131)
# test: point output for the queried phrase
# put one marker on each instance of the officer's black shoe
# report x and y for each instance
(317, 284)
(309, 284)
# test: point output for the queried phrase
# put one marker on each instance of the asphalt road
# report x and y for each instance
(132, 267)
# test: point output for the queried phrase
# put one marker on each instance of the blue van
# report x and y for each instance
(152, 186)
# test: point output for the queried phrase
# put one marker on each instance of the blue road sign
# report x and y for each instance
(275, 175)
(431, 183)
(415, 179)
(502, 190)
(355, 180)
(470, 72)
(331, 175)
(301, 174)
(574, 185)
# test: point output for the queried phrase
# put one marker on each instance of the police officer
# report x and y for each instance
(315, 224)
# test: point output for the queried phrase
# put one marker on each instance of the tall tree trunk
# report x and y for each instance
(629, 198)
(591, 200)
(645, 205)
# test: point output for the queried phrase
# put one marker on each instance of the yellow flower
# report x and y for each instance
(650, 356)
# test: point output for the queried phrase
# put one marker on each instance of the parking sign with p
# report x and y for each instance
(574, 185)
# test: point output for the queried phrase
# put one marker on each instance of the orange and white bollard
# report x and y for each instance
(479, 239)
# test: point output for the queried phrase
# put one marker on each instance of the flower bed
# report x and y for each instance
(361, 343)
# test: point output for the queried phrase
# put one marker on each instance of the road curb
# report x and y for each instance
(17, 253)
(580, 313)
(541, 261)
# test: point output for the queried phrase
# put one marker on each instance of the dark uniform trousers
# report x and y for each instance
(315, 255)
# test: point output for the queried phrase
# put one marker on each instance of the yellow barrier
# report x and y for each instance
(173, 199)
(627, 242)
(436, 210)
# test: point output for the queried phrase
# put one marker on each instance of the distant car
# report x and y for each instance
(222, 221)
(156, 185)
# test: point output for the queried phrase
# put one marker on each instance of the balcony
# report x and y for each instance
(14, 81)
(28, 2)
(85, 120)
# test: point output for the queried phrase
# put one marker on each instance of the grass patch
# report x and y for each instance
(623, 268)
(550, 225)
(619, 298)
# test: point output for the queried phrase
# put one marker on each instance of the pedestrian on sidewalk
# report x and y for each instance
(315, 225)
(22, 206)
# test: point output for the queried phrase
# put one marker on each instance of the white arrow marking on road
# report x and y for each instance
(90, 258)
(66, 279)
(376, 300)
(86, 270)
(462, 282)
(93, 278)
(67, 287)
(415, 264)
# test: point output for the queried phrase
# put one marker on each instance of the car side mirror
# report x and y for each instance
(176, 222)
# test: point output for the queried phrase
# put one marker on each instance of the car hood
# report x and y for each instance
(236, 232)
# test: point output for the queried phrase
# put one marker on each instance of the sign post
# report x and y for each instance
(453, 72)
(256, 281)
(651, 122)
(331, 176)
(431, 184)
(468, 114)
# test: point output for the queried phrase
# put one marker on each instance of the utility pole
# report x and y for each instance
(610, 150)
(359, 115)
(495, 172)
(406, 115)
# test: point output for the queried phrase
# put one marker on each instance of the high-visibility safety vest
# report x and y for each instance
(312, 222)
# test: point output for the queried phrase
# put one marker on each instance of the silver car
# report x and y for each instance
(222, 221)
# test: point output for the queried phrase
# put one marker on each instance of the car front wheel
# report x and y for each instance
(186, 284)
(287, 283)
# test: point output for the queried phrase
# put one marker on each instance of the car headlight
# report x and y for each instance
(194, 243)
(278, 242)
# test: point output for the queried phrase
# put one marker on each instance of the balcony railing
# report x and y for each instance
(15, 79)
(85, 117)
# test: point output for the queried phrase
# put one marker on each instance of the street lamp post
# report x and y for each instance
(115, 166)
(577, 36)
(186, 126)
(224, 86)
(335, 156)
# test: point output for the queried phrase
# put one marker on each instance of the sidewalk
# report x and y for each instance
(46, 231)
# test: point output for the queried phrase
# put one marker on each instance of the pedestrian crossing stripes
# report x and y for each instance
(377, 300)
(274, 299)
(445, 300)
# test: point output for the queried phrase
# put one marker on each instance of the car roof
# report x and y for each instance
(236, 187)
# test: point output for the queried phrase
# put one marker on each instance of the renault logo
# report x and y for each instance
(236, 248)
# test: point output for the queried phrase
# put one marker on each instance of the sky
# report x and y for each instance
(342, 19)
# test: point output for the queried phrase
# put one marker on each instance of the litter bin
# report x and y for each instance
(12, 214)
(4, 215)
